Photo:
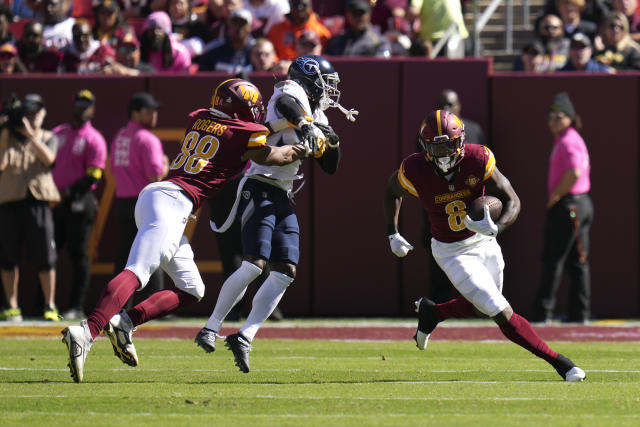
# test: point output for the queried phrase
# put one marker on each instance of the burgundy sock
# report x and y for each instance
(160, 304)
(113, 297)
(458, 308)
(519, 330)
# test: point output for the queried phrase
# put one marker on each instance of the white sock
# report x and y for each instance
(232, 291)
(264, 302)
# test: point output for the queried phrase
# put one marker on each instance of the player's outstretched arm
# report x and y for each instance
(392, 201)
(276, 156)
(499, 186)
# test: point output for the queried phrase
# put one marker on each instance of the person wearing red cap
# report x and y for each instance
(79, 166)
(9, 61)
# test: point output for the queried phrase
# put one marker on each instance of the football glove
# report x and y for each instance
(309, 139)
(399, 246)
(329, 133)
(484, 226)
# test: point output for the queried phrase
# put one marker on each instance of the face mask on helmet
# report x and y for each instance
(442, 137)
(445, 152)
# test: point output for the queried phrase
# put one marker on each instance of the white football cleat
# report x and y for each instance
(575, 374)
(78, 341)
(120, 332)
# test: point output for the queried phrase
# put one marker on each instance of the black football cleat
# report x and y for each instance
(240, 346)
(427, 321)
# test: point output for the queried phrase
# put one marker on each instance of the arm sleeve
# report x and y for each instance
(330, 160)
(290, 109)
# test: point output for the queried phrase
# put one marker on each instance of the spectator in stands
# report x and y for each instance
(531, 59)
(9, 61)
(108, 21)
(57, 23)
(158, 48)
(263, 58)
(570, 14)
(551, 34)
(435, 18)
(267, 13)
(6, 18)
(233, 56)
(32, 52)
(136, 158)
(187, 27)
(593, 10)
(27, 153)
(134, 8)
(618, 50)
(27, 9)
(630, 9)
(79, 165)
(127, 61)
(308, 43)
(390, 15)
(217, 21)
(359, 39)
(301, 17)
(580, 59)
(421, 48)
(85, 55)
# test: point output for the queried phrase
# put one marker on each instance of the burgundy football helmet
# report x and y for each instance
(239, 99)
(442, 138)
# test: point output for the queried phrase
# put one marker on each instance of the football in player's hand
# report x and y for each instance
(476, 210)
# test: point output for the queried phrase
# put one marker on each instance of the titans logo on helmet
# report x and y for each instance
(308, 65)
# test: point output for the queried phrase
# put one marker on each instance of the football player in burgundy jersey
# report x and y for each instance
(447, 176)
(217, 144)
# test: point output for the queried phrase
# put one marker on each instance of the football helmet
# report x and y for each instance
(239, 99)
(318, 79)
(442, 138)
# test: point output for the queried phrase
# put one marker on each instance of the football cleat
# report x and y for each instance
(240, 347)
(568, 370)
(427, 321)
(78, 341)
(120, 332)
(11, 315)
(206, 339)
(51, 314)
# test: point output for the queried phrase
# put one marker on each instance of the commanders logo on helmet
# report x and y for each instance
(442, 137)
(239, 99)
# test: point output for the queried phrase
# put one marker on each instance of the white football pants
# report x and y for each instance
(162, 212)
(475, 267)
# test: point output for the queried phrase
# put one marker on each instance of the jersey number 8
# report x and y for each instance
(196, 152)
(456, 211)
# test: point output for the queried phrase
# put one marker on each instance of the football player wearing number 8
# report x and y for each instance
(217, 144)
(446, 177)
(270, 231)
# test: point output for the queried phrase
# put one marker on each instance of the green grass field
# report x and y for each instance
(319, 382)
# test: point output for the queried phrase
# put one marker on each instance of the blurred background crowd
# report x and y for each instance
(128, 37)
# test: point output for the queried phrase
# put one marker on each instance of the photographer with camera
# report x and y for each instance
(27, 154)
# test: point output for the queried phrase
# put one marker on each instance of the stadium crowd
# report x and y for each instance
(128, 37)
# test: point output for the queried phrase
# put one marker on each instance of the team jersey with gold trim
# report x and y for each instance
(446, 202)
(212, 153)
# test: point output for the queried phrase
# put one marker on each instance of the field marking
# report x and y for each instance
(440, 414)
(434, 371)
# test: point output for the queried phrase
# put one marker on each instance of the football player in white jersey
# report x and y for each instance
(270, 231)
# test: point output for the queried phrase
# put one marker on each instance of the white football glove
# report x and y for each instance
(399, 246)
(484, 226)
